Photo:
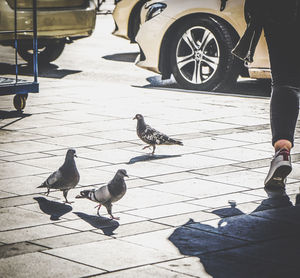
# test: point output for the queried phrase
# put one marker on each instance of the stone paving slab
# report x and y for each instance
(33, 233)
(11, 250)
(197, 188)
(65, 240)
(190, 266)
(16, 218)
(49, 266)
(225, 200)
(121, 254)
(165, 210)
(145, 272)
(19, 170)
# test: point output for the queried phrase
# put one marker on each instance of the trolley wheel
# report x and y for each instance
(20, 101)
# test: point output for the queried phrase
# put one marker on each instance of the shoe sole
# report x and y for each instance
(277, 180)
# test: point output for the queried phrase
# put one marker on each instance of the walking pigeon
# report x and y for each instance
(107, 194)
(65, 178)
(151, 136)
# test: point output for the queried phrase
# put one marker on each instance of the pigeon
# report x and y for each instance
(107, 194)
(151, 136)
(65, 178)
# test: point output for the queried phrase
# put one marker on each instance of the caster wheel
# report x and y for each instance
(20, 102)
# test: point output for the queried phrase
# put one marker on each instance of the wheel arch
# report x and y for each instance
(164, 64)
(135, 12)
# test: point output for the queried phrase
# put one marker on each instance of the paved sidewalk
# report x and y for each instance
(197, 210)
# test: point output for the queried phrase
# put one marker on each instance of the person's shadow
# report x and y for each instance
(262, 244)
(99, 222)
(52, 208)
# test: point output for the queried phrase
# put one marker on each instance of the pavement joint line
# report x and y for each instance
(177, 271)
(137, 266)
(73, 261)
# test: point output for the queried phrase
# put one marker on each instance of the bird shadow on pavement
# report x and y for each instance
(263, 244)
(122, 57)
(148, 157)
(105, 224)
(52, 208)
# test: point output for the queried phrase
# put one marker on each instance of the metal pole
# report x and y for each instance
(16, 41)
(35, 48)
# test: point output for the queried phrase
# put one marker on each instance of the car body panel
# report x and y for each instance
(121, 16)
(51, 23)
(152, 32)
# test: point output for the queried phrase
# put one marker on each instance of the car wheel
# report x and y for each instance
(48, 51)
(201, 56)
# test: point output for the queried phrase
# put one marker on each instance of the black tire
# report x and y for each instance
(48, 50)
(209, 64)
(19, 101)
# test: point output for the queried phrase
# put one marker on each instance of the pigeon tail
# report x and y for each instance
(175, 142)
(42, 185)
(87, 194)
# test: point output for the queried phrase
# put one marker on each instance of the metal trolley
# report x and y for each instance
(15, 86)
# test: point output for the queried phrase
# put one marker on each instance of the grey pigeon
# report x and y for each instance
(66, 177)
(108, 194)
(151, 136)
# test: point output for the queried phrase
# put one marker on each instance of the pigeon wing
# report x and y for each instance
(154, 137)
(102, 195)
(55, 180)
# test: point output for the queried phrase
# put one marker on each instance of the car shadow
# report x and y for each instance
(262, 244)
(149, 157)
(243, 87)
(45, 70)
(128, 57)
(105, 224)
(52, 208)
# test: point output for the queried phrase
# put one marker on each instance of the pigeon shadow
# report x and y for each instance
(52, 208)
(105, 224)
(148, 157)
(45, 70)
(262, 244)
(129, 57)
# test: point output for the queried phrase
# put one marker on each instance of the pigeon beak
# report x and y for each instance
(75, 155)
(134, 118)
(126, 176)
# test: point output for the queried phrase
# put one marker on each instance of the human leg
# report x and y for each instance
(283, 44)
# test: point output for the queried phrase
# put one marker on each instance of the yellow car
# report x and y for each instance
(193, 39)
(126, 16)
(58, 22)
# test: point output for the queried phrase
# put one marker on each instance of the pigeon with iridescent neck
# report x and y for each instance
(65, 178)
(107, 194)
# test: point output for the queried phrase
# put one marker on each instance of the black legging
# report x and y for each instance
(281, 25)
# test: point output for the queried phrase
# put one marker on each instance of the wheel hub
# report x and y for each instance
(198, 55)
